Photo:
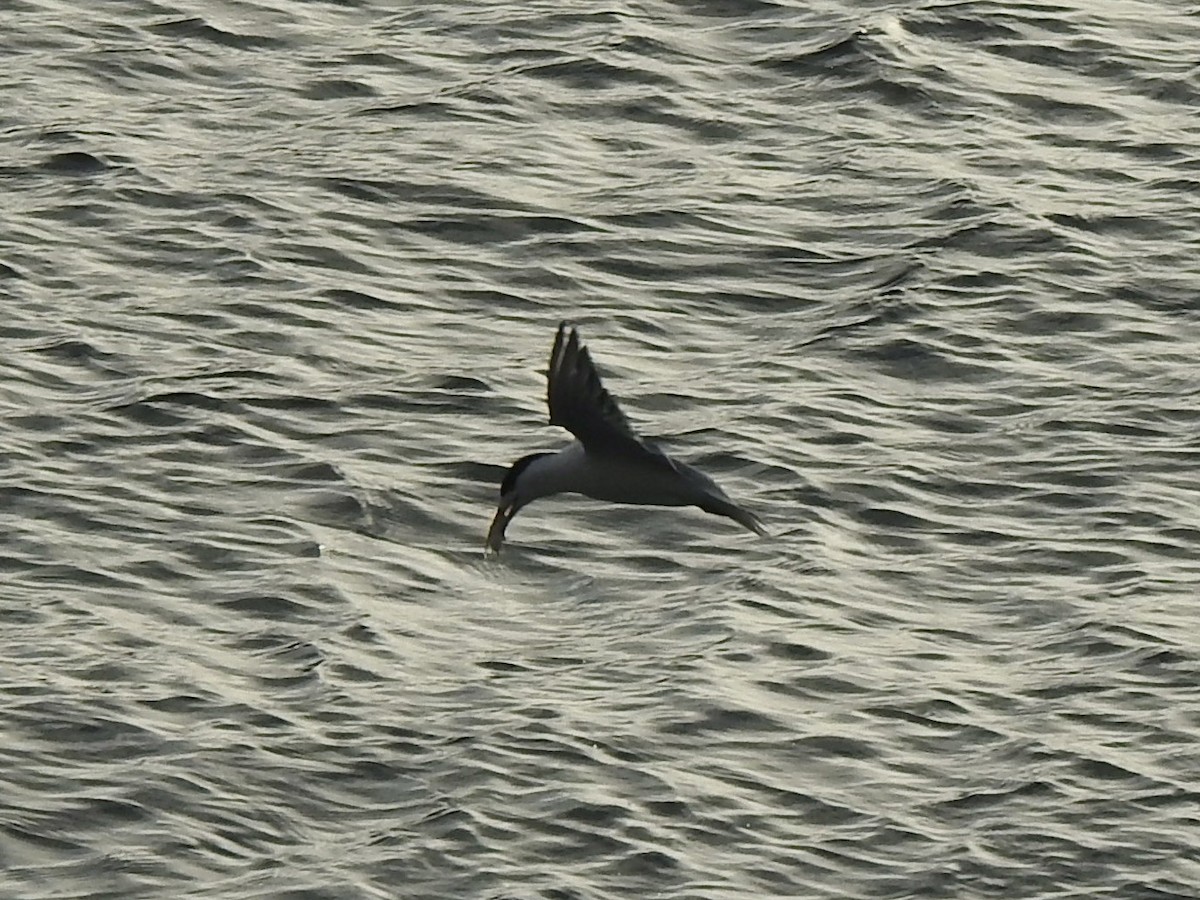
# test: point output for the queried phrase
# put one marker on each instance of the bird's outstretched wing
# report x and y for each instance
(579, 403)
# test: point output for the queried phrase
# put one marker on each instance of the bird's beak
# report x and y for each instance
(504, 514)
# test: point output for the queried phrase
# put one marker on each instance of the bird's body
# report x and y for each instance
(608, 461)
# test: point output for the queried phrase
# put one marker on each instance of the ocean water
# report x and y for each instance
(918, 283)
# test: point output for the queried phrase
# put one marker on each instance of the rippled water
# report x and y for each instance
(918, 283)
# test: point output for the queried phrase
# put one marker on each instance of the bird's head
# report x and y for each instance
(512, 498)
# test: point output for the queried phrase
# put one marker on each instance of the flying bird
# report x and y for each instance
(607, 460)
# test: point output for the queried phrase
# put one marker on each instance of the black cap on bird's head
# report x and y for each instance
(509, 501)
(509, 484)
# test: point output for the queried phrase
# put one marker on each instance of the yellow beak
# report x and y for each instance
(495, 535)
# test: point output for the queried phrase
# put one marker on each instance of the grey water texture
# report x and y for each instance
(916, 282)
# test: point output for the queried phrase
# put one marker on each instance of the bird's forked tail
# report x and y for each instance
(721, 506)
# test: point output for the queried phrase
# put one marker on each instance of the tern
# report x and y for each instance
(607, 460)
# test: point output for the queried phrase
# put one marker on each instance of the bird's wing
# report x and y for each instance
(579, 403)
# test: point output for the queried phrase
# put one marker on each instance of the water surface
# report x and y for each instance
(915, 282)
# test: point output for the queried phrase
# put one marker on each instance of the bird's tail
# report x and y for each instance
(721, 506)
